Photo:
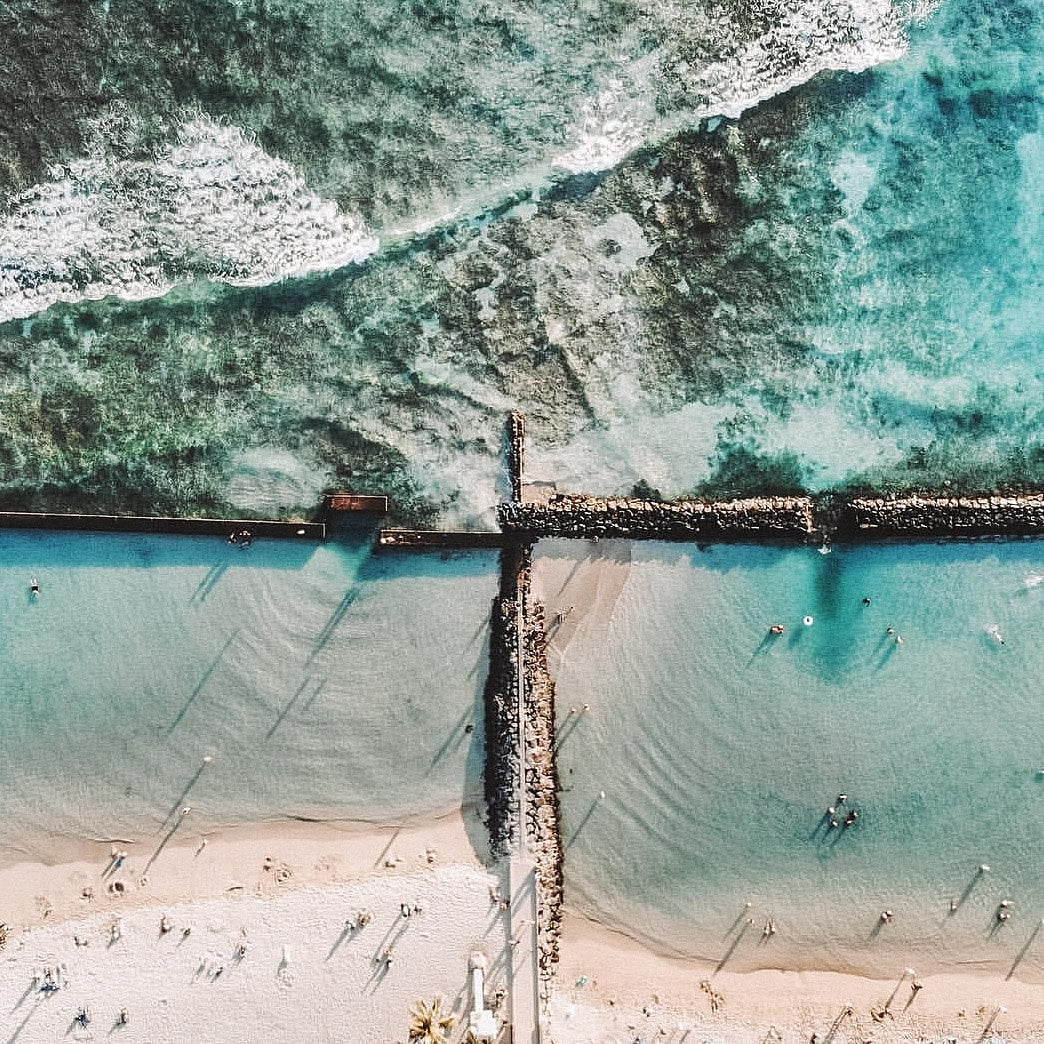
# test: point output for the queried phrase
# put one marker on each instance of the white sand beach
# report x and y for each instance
(256, 945)
(613, 990)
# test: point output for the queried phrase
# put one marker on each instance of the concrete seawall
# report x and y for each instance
(784, 519)
(453, 540)
(222, 527)
(516, 453)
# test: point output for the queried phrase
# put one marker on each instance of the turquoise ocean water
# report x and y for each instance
(841, 285)
(720, 747)
(250, 251)
(324, 682)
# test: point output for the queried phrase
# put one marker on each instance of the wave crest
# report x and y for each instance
(720, 61)
(212, 204)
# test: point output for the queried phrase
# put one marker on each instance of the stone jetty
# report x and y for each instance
(804, 519)
(516, 436)
(520, 751)
(941, 516)
(772, 519)
(543, 818)
(503, 746)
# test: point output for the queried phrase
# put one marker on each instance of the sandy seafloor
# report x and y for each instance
(718, 748)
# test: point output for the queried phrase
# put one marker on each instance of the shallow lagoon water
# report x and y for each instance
(720, 747)
(324, 682)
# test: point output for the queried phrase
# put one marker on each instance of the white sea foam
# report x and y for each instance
(212, 204)
(611, 125)
(804, 39)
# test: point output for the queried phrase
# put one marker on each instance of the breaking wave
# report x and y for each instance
(212, 205)
(778, 45)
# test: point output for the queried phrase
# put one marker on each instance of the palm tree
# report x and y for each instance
(428, 1024)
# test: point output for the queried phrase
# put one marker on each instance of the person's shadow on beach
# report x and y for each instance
(764, 646)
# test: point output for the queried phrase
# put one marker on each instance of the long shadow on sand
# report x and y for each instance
(207, 674)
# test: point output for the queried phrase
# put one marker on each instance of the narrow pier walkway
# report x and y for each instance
(525, 971)
(220, 527)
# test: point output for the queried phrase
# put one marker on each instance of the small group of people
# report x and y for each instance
(778, 628)
(833, 814)
(243, 537)
(360, 920)
(50, 980)
(808, 620)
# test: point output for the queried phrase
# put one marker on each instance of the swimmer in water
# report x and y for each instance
(866, 601)
(808, 621)
(995, 633)
(776, 629)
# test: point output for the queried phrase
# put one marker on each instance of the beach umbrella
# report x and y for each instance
(429, 1024)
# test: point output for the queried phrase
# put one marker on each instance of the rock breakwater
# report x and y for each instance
(543, 815)
(521, 777)
(503, 749)
(942, 516)
(585, 517)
